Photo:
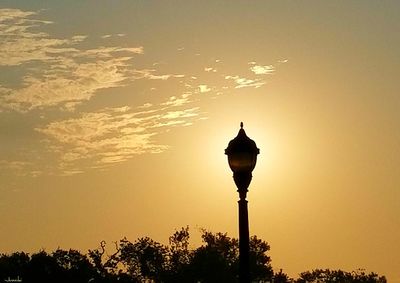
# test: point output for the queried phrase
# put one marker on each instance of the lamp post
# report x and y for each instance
(242, 157)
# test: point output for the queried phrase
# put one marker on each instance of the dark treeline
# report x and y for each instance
(145, 260)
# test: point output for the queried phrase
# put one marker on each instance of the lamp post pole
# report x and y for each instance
(244, 238)
(242, 157)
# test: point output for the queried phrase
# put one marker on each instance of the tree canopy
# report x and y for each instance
(146, 260)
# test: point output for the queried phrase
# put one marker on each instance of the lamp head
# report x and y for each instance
(242, 153)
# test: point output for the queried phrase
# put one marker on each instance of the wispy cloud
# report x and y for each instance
(111, 135)
(204, 88)
(113, 35)
(150, 74)
(67, 75)
(67, 87)
(210, 69)
(19, 44)
(63, 73)
(261, 70)
(20, 168)
(178, 101)
(245, 82)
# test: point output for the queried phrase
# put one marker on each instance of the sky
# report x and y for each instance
(114, 117)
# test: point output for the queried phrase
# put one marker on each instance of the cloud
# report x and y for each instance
(15, 165)
(172, 115)
(111, 135)
(71, 172)
(149, 74)
(111, 35)
(178, 101)
(244, 82)
(20, 168)
(210, 69)
(12, 14)
(204, 88)
(19, 44)
(146, 105)
(63, 74)
(67, 88)
(262, 70)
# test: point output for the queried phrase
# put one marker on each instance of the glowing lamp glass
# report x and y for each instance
(242, 161)
(242, 153)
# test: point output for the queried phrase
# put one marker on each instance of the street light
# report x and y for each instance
(242, 157)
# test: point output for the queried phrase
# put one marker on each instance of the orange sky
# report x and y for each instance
(114, 118)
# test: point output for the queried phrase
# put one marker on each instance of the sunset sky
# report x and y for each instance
(114, 117)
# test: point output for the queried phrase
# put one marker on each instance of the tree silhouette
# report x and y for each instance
(180, 256)
(43, 267)
(216, 260)
(328, 276)
(146, 260)
(281, 277)
(13, 265)
(75, 267)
